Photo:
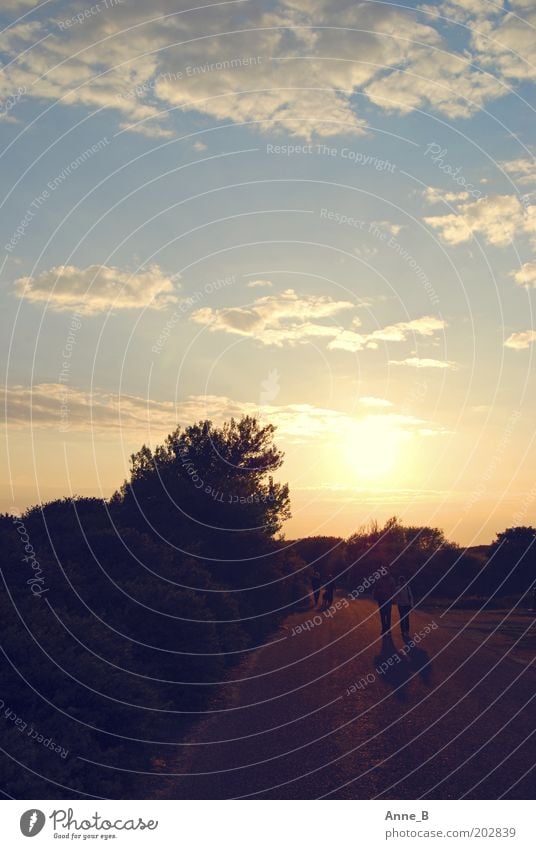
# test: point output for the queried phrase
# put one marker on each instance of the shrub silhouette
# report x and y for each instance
(145, 601)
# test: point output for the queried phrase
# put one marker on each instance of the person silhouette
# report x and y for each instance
(316, 584)
(383, 594)
(329, 591)
(403, 597)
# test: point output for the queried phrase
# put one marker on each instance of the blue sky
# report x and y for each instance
(319, 213)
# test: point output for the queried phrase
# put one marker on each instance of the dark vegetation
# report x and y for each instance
(120, 617)
(498, 575)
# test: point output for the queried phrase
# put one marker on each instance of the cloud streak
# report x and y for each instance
(276, 319)
(97, 289)
(424, 362)
(352, 341)
(133, 417)
(289, 318)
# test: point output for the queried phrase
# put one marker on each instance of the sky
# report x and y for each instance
(319, 213)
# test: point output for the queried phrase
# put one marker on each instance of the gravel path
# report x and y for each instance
(332, 710)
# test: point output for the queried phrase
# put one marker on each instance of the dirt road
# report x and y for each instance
(331, 710)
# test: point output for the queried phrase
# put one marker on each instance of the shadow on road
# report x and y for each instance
(419, 660)
(396, 667)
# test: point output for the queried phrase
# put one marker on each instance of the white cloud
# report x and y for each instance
(50, 405)
(501, 38)
(275, 319)
(424, 362)
(295, 66)
(349, 340)
(438, 81)
(498, 218)
(523, 170)
(98, 288)
(292, 86)
(507, 44)
(392, 228)
(461, 11)
(526, 275)
(122, 59)
(427, 325)
(434, 195)
(259, 284)
(291, 318)
(520, 341)
(372, 401)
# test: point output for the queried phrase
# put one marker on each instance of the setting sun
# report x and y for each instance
(372, 449)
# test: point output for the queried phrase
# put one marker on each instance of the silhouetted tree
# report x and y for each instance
(326, 554)
(511, 567)
(208, 490)
(421, 553)
(138, 616)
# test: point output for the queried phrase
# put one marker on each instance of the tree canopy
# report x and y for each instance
(208, 489)
(511, 566)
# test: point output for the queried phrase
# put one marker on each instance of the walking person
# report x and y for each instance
(404, 600)
(383, 594)
(316, 584)
(329, 592)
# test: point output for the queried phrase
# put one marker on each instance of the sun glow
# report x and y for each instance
(372, 449)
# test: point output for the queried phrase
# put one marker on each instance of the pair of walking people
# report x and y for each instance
(329, 589)
(387, 593)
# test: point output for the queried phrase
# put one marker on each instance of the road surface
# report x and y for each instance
(330, 710)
